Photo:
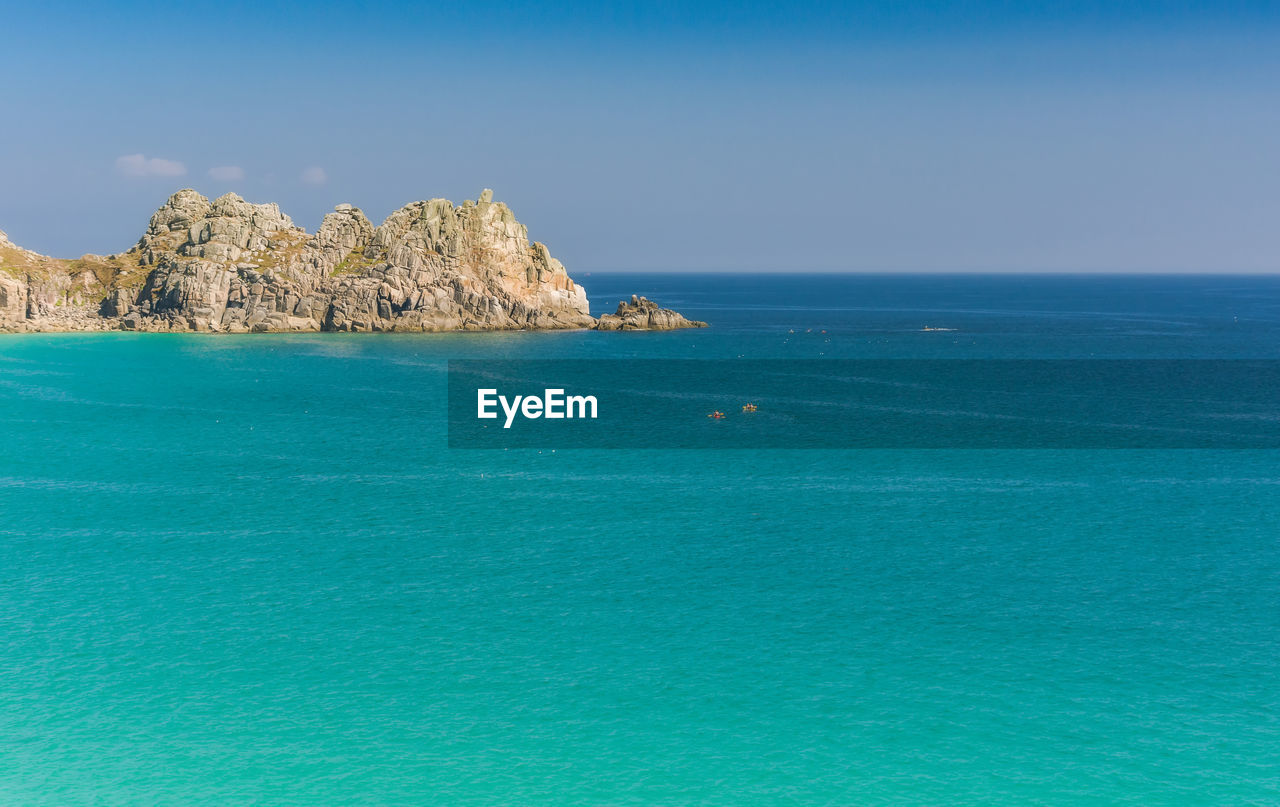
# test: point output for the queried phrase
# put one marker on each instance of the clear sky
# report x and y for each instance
(923, 136)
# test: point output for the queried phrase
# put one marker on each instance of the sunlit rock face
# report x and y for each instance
(642, 314)
(231, 266)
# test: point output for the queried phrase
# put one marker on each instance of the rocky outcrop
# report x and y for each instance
(642, 314)
(13, 282)
(231, 266)
(59, 295)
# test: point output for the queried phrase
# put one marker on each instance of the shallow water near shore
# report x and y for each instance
(249, 570)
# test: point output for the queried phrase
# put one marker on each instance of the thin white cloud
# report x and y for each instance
(315, 175)
(226, 173)
(137, 165)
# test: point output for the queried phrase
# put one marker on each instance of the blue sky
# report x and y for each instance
(758, 136)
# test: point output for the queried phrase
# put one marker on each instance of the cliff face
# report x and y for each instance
(231, 266)
(62, 295)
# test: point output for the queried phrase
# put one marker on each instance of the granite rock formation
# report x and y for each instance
(642, 314)
(231, 266)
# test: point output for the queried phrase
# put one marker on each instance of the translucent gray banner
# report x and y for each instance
(969, 403)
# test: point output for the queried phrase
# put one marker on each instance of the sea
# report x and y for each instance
(249, 570)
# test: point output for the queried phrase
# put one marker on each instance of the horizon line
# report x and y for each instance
(945, 272)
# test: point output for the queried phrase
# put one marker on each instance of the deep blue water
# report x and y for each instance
(249, 570)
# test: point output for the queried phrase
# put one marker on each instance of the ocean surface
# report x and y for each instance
(250, 571)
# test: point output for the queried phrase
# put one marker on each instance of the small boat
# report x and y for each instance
(748, 407)
(716, 415)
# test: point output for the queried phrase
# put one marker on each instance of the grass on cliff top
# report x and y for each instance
(354, 264)
(91, 272)
(110, 271)
(280, 252)
(18, 262)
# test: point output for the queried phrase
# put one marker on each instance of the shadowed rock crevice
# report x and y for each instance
(230, 266)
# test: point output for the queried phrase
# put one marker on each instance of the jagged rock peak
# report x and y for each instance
(230, 265)
(266, 215)
(345, 230)
(179, 212)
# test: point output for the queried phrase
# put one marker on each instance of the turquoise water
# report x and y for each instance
(248, 570)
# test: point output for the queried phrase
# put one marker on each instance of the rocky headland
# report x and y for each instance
(229, 266)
